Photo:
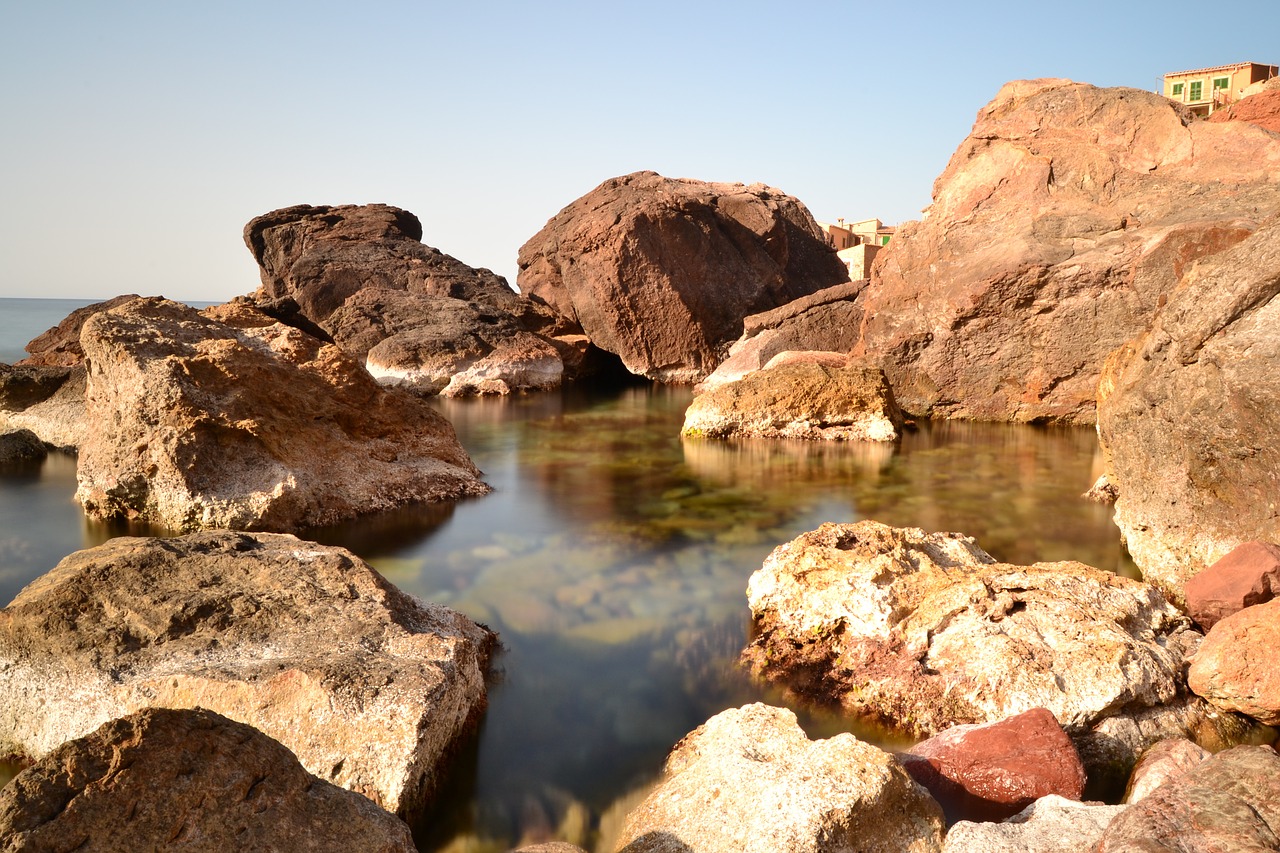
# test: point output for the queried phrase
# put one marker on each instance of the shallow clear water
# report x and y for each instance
(613, 559)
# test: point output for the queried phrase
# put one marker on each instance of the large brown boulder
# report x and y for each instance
(361, 275)
(191, 781)
(369, 687)
(1187, 416)
(1230, 802)
(662, 271)
(1248, 575)
(750, 781)
(1235, 666)
(249, 424)
(60, 346)
(1055, 231)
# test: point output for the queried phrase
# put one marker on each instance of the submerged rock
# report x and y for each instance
(360, 275)
(368, 686)
(1055, 230)
(925, 631)
(20, 448)
(662, 271)
(230, 419)
(1187, 419)
(800, 395)
(189, 780)
(749, 779)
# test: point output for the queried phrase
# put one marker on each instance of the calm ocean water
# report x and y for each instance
(613, 559)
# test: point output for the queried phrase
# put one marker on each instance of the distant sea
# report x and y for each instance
(23, 319)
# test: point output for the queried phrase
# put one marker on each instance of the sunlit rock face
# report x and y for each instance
(230, 419)
(1056, 230)
(190, 779)
(369, 687)
(662, 271)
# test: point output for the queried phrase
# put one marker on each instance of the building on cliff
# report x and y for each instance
(1207, 89)
(856, 243)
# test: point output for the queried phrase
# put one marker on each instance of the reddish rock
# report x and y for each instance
(994, 771)
(662, 271)
(1230, 803)
(1248, 575)
(1187, 415)
(1055, 231)
(1262, 109)
(1168, 759)
(1235, 667)
(60, 346)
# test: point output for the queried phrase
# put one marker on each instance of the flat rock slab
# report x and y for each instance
(368, 686)
(819, 397)
(750, 781)
(1230, 802)
(993, 771)
(925, 631)
(1235, 668)
(186, 780)
(1248, 575)
(229, 419)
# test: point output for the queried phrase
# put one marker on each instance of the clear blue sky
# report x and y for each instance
(139, 137)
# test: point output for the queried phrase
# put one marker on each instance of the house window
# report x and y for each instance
(1197, 90)
(1221, 83)
(1177, 89)
(884, 240)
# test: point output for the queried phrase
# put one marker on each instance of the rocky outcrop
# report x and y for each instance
(187, 780)
(1261, 109)
(360, 275)
(230, 419)
(366, 685)
(1235, 666)
(925, 631)
(662, 271)
(1248, 575)
(48, 401)
(1168, 759)
(826, 321)
(60, 346)
(1051, 824)
(1055, 231)
(994, 771)
(800, 395)
(1230, 802)
(749, 779)
(1187, 418)
(19, 449)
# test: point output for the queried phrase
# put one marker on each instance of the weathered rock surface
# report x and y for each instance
(1230, 802)
(49, 401)
(1055, 230)
(662, 271)
(925, 631)
(800, 395)
(1235, 668)
(60, 346)
(1261, 109)
(825, 321)
(750, 780)
(1051, 824)
(20, 448)
(1168, 759)
(366, 685)
(1248, 575)
(991, 772)
(230, 419)
(186, 780)
(1187, 418)
(361, 275)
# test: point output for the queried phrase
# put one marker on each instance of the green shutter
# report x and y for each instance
(1177, 89)
(1197, 90)
(1222, 82)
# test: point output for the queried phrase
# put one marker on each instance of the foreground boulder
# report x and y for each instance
(1187, 419)
(1054, 231)
(230, 419)
(800, 395)
(360, 275)
(1248, 575)
(993, 771)
(925, 631)
(749, 779)
(1261, 108)
(188, 780)
(366, 685)
(662, 271)
(1235, 666)
(1230, 802)
(1051, 824)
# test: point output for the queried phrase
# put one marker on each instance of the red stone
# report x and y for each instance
(1248, 575)
(995, 770)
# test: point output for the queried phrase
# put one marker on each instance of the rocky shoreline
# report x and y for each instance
(1091, 255)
